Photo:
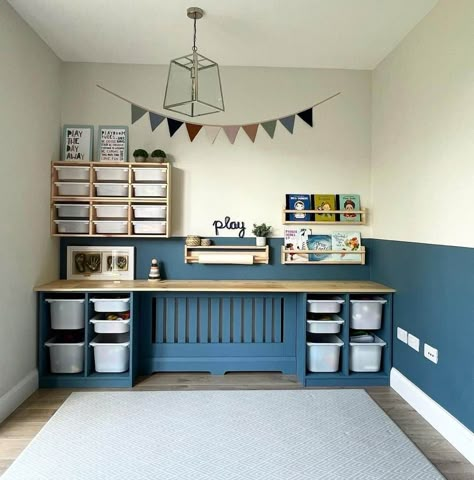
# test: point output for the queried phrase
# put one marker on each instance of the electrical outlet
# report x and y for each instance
(402, 335)
(414, 342)
(431, 353)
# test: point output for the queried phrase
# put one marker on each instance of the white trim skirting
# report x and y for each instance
(452, 429)
(18, 394)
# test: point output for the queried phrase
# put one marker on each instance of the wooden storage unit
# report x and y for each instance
(362, 212)
(82, 193)
(220, 253)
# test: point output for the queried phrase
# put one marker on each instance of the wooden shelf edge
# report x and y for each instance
(362, 211)
(260, 257)
(285, 252)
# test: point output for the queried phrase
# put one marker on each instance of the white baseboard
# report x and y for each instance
(18, 394)
(452, 429)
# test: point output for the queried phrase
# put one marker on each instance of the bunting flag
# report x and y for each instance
(155, 120)
(137, 113)
(173, 125)
(288, 122)
(193, 129)
(251, 131)
(212, 131)
(269, 127)
(231, 131)
(307, 116)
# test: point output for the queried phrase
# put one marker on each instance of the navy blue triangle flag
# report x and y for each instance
(307, 116)
(155, 120)
(137, 113)
(173, 126)
(288, 122)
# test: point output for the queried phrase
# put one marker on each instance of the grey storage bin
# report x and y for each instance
(72, 210)
(323, 355)
(120, 304)
(366, 357)
(72, 172)
(111, 352)
(324, 324)
(101, 325)
(366, 313)
(66, 313)
(325, 305)
(65, 357)
(72, 226)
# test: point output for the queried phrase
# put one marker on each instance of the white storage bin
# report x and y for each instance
(111, 304)
(323, 356)
(71, 172)
(72, 189)
(149, 174)
(111, 226)
(149, 190)
(111, 211)
(65, 357)
(111, 189)
(366, 357)
(330, 325)
(72, 226)
(366, 313)
(101, 325)
(149, 228)
(111, 174)
(66, 313)
(149, 211)
(111, 352)
(72, 210)
(325, 305)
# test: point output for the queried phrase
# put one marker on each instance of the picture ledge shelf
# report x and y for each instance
(285, 252)
(226, 254)
(362, 212)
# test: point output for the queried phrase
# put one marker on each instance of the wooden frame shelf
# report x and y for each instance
(362, 212)
(285, 252)
(222, 254)
(91, 199)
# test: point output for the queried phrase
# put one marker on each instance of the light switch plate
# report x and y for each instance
(402, 335)
(414, 342)
(431, 353)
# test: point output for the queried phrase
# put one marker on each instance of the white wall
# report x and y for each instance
(423, 132)
(246, 181)
(29, 133)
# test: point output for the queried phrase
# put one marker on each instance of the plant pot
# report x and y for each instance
(261, 241)
(158, 159)
(140, 159)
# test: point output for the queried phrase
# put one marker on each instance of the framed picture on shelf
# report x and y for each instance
(113, 143)
(100, 263)
(76, 143)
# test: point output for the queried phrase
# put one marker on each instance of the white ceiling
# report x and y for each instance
(354, 34)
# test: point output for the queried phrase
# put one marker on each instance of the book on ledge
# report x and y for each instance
(299, 201)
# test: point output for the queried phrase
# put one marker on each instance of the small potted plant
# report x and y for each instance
(261, 232)
(158, 156)
(140, 155)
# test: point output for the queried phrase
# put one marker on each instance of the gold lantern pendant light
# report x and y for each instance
(194, 83)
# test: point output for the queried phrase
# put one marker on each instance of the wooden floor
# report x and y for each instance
(18, 430)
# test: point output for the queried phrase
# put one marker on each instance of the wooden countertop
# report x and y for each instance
(295, 286)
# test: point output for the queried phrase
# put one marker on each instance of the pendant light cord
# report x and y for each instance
(194, 39)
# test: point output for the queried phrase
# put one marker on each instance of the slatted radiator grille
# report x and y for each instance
(238, 320)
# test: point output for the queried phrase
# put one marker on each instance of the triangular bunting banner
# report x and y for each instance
(288, 122)
(269, 127)
(193, 130)
(231, 131)
(173, 126)
(212, 132)
(137, 113)
(155, 120)
(251, 131)
(307, 116)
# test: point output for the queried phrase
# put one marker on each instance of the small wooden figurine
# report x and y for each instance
(154, 271)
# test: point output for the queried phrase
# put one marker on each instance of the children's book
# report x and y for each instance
(299, 201)
(346, 242)
(295, 239)
(323, 203)
(348, 202)
(319, 242)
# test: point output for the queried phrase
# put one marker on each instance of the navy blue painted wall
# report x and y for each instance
(170, 253)
(435, 302)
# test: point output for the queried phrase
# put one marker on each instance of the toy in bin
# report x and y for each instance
(361, 336)
(121, 316)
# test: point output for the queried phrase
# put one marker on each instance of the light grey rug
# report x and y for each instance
(221, 435)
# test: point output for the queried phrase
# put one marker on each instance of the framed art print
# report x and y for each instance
(100, 263)
(113, 143)
(76, 143)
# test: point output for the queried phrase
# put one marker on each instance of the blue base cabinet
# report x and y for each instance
(212, 332)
